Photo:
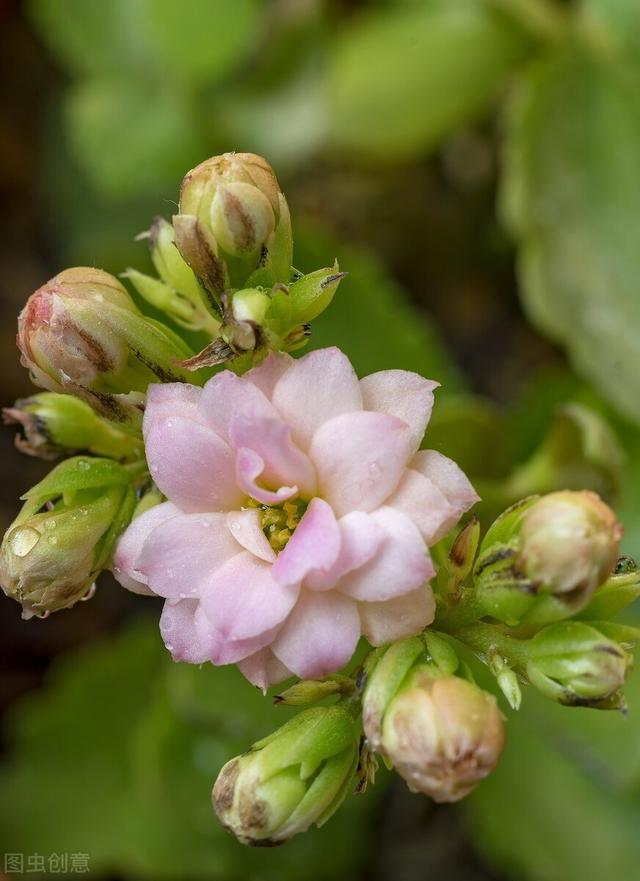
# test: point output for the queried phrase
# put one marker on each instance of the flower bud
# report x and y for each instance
(61, 540)
(234, 229)
(574, 663)
(57, 425)
(542, 559)
(442, 734)
(177, 292)
(296, 777)
(81, 333)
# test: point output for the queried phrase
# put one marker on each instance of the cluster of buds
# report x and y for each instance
(64, 534)
(294, 778)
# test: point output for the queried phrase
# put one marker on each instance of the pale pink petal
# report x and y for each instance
(313, 546)
(192, 465)
(249, 467)
(284, 463)
(359, 459)
(246, 528)
(320, 635)
(401, 564)
(243, 601)
(179, 556)
(173, 399)
(360, 538)
(335, 390)
(226, 395)
(398, 618)
(269, 372)
(403, 394)
(129, 547)
(422, 501)
(184, 629)
(452, 482)
(263, 669)
(232, 651)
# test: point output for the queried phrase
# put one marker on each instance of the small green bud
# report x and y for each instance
(61, 540)
(177, 292)
(296, 777)
(57, 425)
(81, 333)
(233, 228)
(542, 559)
(311, 691)
(443, 734)
(574, 663)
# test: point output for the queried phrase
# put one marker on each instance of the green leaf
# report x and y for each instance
(564, 801)
(132, 137)
(402, 77)
(370, 317)
(572, 197)
(117, 755)
(79, 473)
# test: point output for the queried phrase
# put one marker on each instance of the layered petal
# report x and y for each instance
(400, 565)
(227, 395)
(181, 554)
(336, 390)
(421, 500)
(185, 631)
(450, 480)
(359, 459)
(360, 538)
(403, 394)
(398, 618)
(263, 669)
(314, 546)
(249, 467)
(320, 635)
(129, 548)
(172, 399)
(243, 601)
(246, 528)
(269, 372)
(191, 464)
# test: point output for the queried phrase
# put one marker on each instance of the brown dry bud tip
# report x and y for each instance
(443, 735)
(542, 559)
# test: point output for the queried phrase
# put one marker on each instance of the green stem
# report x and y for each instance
(486, 639)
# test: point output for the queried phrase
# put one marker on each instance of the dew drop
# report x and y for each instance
(52, 540)
(83, 465)
(24, 540)
(374, 469)
(50, 524)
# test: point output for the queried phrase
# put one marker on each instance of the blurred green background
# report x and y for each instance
(475, 166)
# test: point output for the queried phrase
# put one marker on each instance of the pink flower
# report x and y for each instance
(298, 518)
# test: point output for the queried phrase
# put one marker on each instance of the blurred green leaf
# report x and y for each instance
(572, 197)
(403, 76)
(116, 758)
(193, 40)
(565, 800)
(371, 318)
(132, 137)
(613, 25)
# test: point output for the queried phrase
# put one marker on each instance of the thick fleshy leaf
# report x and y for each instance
(249, 467)
(181, 554)
(401, 564)
(246, 528)
(360, 538)
(317, 387)
(403, 394)
(420, 499)
(185, 631)
(314, 546)
(269, 372)
(320, 635)
(359, 459)
(192, 465)
(398, 618)
(243, 601)
(129, 547)
(263, 669)
(284, 463)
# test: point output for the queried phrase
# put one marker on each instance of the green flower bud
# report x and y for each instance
(81, 333)
(61, 540)
(442, 734)
(574, 663)
(296, 777)
(542, 559)
(177, 292)
(57, 425)
(233, 228)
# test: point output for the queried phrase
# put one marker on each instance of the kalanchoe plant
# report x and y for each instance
(284, 508)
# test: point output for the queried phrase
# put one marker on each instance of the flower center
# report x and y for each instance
(279, 521)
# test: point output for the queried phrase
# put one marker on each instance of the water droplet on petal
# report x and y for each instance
(24, 540)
